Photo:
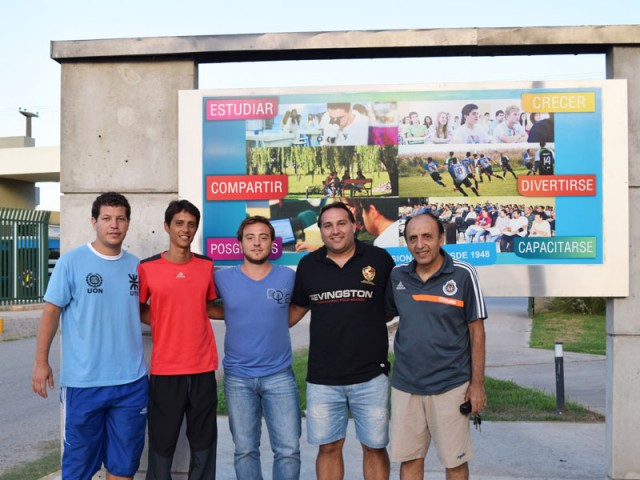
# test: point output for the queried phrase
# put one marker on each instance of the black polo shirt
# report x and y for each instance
(348, 332)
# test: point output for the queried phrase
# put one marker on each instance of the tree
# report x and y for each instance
(388, 157)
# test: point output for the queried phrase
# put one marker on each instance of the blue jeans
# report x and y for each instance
(276, 398)
(328, 409)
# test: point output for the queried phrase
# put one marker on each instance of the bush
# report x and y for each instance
(581, 305)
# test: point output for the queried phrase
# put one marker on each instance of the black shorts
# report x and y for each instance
(436, 176)
(488, 170)
(466, 182)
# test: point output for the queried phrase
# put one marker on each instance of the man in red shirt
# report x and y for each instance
(179, 287)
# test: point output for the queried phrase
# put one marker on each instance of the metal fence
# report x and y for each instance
(24, 253)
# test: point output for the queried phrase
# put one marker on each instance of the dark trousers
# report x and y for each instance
(171, 397)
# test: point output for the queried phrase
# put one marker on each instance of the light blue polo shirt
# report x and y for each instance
(101, 333)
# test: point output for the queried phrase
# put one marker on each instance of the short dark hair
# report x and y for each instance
(340, 105)
(177, 206)
(388, 207)
(466, 110)
(110, 199)
(252, 221)
(426, 214)
(335, 205)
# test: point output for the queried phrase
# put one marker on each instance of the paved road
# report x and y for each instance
(28, 421)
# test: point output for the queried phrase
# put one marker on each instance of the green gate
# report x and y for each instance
(24, 253)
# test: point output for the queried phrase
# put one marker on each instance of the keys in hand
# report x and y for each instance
(477, 422)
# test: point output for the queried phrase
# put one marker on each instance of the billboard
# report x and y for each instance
(530, 180)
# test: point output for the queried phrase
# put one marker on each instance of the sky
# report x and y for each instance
(30, 79)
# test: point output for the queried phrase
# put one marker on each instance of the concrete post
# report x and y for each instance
(120, 132)
(623, 322)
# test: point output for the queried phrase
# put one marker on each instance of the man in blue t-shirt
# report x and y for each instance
(433, 169)
(258, 378)
(103, 375)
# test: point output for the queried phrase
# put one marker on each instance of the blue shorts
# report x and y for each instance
(103, 425)
(328, 412)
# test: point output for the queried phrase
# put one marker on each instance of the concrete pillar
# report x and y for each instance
(623, 321)
(119, 131)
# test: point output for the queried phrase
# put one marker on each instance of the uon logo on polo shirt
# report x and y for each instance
(450, 288)
(369, 273)
(94, 280)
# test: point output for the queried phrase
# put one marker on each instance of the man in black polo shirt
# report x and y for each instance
(343, 283)
(440, 351)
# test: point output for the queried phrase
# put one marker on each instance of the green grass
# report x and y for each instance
(14, 339)
(49, 463)
(419, 186)
(506, 400)
(579, 333)
(300, 371)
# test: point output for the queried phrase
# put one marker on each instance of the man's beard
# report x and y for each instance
(256, 261)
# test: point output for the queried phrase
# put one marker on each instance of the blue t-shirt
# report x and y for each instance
(431, 167)
(256, 312)
(101, 334)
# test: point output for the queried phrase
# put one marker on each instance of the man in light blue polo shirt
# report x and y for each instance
(103, 375)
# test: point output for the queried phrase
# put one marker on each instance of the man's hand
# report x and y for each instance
(477, 396)
(42, 373)
(42, 376)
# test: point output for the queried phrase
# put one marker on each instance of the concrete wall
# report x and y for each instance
(17, 194)
(623, 321)
(120, 120)
(39, 164)
(17, 142)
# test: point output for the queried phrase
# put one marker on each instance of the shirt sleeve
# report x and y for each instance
(212, 292)
(390, 302)
(60, 287)
(475, 307)
(144, 285)
(299, 296)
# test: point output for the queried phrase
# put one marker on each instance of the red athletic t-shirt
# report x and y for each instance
(181, 333)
